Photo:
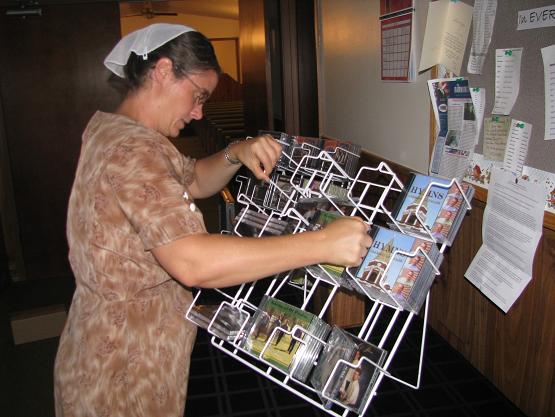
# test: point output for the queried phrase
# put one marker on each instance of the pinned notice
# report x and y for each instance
(482, 28)
(447, 29)
(536, 18)
(511, 230)
(548, 55)
(507, 79)
(517, 146)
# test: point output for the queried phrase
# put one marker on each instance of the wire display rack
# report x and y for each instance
(308, 172)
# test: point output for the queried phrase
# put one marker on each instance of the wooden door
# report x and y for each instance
(52, 79)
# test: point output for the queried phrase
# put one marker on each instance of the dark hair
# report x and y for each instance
(190, 52)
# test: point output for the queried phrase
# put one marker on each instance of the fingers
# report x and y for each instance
(261, 156)
(349, 239)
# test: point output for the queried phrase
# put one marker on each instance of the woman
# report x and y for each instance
(137, 240)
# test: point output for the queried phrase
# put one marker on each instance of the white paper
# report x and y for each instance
(512, 227)
(447, 28)
(496, 133)
(478, 95)
(483, 19)
(547, 182)
(548, 55)
(507, 79)
(517, 146)
(536, 18)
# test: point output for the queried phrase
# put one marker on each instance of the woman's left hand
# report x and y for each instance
(260, 154)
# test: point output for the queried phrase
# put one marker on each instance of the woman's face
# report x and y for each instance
(183, 99)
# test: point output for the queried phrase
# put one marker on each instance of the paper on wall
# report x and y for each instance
(478, 171)
(517, 146)
(536, 18)
(512, 227)
(496, 133)
(548, 55)
(507, 79)
(478, 95)
(446, 34)
(547, 182)
(483, 19)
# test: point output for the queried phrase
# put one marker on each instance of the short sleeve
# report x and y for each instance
(150, 187)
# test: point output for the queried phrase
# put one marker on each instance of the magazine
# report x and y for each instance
(408, 278)
(272, 325)
(438, 211)
(347, 385)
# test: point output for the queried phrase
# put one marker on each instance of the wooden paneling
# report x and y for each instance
(51, 81)
(306, 72)
(516, 351)
(252, 47)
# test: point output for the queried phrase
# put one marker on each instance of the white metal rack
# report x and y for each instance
(314, 173)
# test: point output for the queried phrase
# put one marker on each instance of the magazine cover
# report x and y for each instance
(350, 385)
(284, 351)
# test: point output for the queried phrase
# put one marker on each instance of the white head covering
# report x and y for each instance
(141, 42)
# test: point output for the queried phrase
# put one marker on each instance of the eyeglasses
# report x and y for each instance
(201, 95)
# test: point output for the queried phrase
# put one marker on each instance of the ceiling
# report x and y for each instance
(228, 9)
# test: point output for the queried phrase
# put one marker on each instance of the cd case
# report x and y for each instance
(226, 320)
(285, 336)
(345, 373)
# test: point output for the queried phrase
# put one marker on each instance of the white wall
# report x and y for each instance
(390, 120)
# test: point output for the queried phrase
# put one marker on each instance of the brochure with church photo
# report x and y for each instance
(434, 211)
(394, 278)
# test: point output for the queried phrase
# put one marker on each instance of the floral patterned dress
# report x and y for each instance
(126, 346)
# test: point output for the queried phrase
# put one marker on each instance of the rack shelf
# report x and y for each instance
(307, 172)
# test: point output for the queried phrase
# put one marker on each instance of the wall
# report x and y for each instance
(515, 351)
(52, 84)
(388, 119)
(211, 27)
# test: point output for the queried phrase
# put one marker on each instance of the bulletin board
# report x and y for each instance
(530, 103)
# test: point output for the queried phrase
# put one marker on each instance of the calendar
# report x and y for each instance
(396, 34)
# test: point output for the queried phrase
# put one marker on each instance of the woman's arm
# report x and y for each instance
(259, 154)
(212, 261)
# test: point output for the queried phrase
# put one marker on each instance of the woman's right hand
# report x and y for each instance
(346, 241)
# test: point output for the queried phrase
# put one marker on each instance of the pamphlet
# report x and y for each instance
(512, 227)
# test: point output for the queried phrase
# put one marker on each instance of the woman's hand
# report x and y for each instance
(348, 241)
(260, 154)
